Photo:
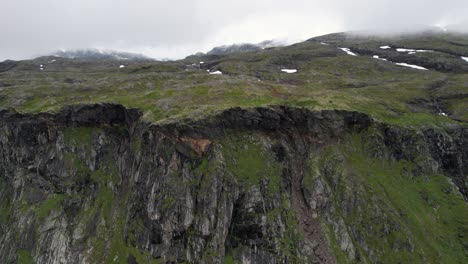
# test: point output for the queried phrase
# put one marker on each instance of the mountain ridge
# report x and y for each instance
(331, 150)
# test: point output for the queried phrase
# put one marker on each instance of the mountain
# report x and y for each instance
(97, 54)
(344, 148)
(242, 47)
(234, 49)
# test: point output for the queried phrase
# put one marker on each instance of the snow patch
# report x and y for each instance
(202, 62)
(405, 50)
(411, 66)
(385, 47)
(377, 57)
(465, 59)
(348, 51)
(443, 114)
(122, 66)
(412, 51)
(324, 43)
(289, 70)
(215, 72)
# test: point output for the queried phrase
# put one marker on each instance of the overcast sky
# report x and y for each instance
(176, 28)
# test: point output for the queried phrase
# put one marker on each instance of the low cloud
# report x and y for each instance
(176, 28)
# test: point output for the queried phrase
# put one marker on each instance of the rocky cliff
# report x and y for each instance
(95, 184)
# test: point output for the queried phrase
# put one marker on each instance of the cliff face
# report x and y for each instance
(93, 184)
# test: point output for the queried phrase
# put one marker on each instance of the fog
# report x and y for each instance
(176, 28)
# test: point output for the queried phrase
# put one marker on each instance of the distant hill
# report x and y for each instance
(97, 54)
(243, 47)
(239, 48)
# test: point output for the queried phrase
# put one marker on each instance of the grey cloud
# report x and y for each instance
(175, 28)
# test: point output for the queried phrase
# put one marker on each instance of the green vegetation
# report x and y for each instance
(430, 206)
(249, 163)
(119, 250)
(327, 78)
(51, 203)
(246, 163)
(293, 235)
(230, 260)
(406, 218)
(24, 257)
(81, 136)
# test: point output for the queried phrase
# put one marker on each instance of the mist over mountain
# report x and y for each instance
(163, 29)
(97, 54)
(244, 47)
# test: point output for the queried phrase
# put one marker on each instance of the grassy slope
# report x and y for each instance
(327, 78)
(398, 217)
(393, 206)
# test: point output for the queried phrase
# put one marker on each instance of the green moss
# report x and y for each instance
(52, 202)
(339, 254)
(200, 90)
(168, 203)
(24, 257)
(73, 164)
(245, 160)
(119, 250)
(136, 145)
(4, 214)
(405, 219)
(275, 179)
(78, 136)
(230, 260)
(106, 175)
(210, 255)
(105, 200)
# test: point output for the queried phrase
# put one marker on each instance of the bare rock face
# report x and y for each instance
(94, 184)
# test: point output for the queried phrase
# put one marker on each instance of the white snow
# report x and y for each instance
(443, 114)
(405, 50)
(216, 72)
(201, 62)
(385, 47)
(324, 43)
(412, 51)
(289, 70)
(465, 59)
(411, 66)
(122, 66)
(348, 51)
(377, 57)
